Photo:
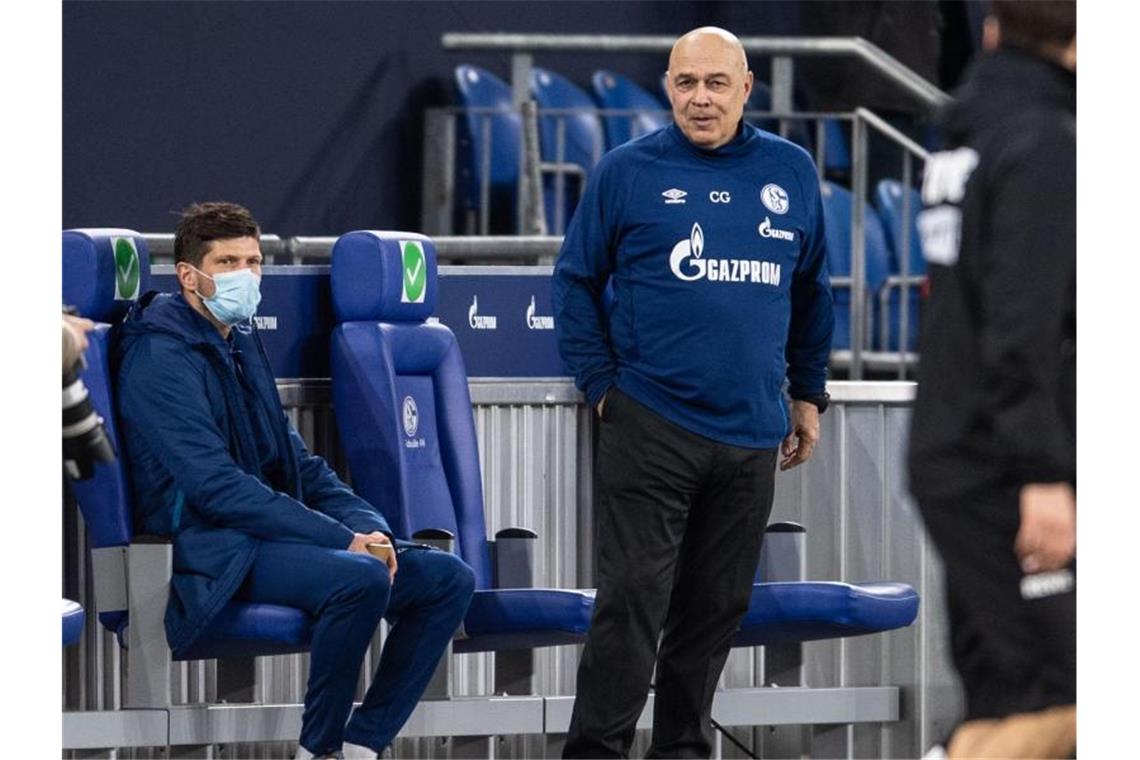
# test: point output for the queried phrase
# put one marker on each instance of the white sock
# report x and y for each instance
(356, 752)
(303, 754)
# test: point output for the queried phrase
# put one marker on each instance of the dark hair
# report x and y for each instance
(1036, 24)
(202, 223)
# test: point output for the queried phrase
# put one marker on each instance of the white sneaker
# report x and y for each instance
(937, 752)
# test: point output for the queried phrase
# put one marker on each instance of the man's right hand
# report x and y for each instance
(360, 543)
(1047, 538)
(602, 403)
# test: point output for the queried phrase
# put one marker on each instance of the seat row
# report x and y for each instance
(575, 128)
(890, 240)
(400, 392)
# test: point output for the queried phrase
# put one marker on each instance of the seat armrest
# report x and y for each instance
(512, 554)
(782, 553)
(440, 538)
(109, 568)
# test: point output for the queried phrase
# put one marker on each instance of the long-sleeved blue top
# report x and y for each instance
(719, 281)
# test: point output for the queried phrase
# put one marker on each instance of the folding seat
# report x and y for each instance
(837, 207)
(73, 619)
(889, 204)
(761, 100)
(489, 134)
(836, 150)
(617, 93)
(404, 414)
(104, 272)
(571, 138)
(785, 610)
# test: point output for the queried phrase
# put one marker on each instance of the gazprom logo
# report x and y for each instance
(536, 322)
(479, 321)
(687, 264)
(687, 253)
(767, 230)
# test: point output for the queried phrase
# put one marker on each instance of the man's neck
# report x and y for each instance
(197, 305)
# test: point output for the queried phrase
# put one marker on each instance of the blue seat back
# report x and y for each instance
(584, 140)
(400, 393)
(582, 143)
(104, 273)
(837, 210)
(488, 101)
(889, 202)
(836, 153)
(761, 100)
(615, 92)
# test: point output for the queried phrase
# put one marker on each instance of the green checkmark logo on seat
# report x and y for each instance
(126, 269)
(415, 272)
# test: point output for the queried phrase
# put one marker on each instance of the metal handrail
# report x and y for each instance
(857, 47)
(532, 248)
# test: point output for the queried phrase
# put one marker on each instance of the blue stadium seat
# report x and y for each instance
(837, 206)
(889, 203)
(404, 414)
(785, 610)
(489, 135)
(73, 619)
(104, 272)
(583, 141)
(836, 150)
(761, 100)
(798, 611)
(617, 93)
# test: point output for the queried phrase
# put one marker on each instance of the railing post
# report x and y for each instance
(858, 244)
(904, 266)
(485, 175)
(438, 195)
(532, 214)
(521, 64)
(782, 84)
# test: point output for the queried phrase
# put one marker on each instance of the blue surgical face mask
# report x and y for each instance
(236, 295)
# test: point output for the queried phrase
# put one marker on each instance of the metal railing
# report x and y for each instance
(781, 49)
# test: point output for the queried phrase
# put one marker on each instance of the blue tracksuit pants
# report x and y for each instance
(348, 593)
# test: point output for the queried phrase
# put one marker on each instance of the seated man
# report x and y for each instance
(253, 515)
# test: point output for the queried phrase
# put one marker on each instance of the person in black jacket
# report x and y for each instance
(992, 455)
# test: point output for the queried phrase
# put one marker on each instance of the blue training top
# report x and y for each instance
(719, 276)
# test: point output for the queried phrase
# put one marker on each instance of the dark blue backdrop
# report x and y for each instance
(307, 112)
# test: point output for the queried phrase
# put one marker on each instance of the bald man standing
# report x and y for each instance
(711, 234)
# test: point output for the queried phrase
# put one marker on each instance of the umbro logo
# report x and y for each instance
(673, 195)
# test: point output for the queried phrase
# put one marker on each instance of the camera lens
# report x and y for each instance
(85, 441)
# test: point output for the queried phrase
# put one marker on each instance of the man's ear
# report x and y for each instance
(187, 277)
(991, 33)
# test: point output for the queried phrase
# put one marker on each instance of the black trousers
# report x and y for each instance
(680, 519)
(1013, 637)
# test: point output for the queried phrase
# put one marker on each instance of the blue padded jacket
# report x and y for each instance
(197, 464)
